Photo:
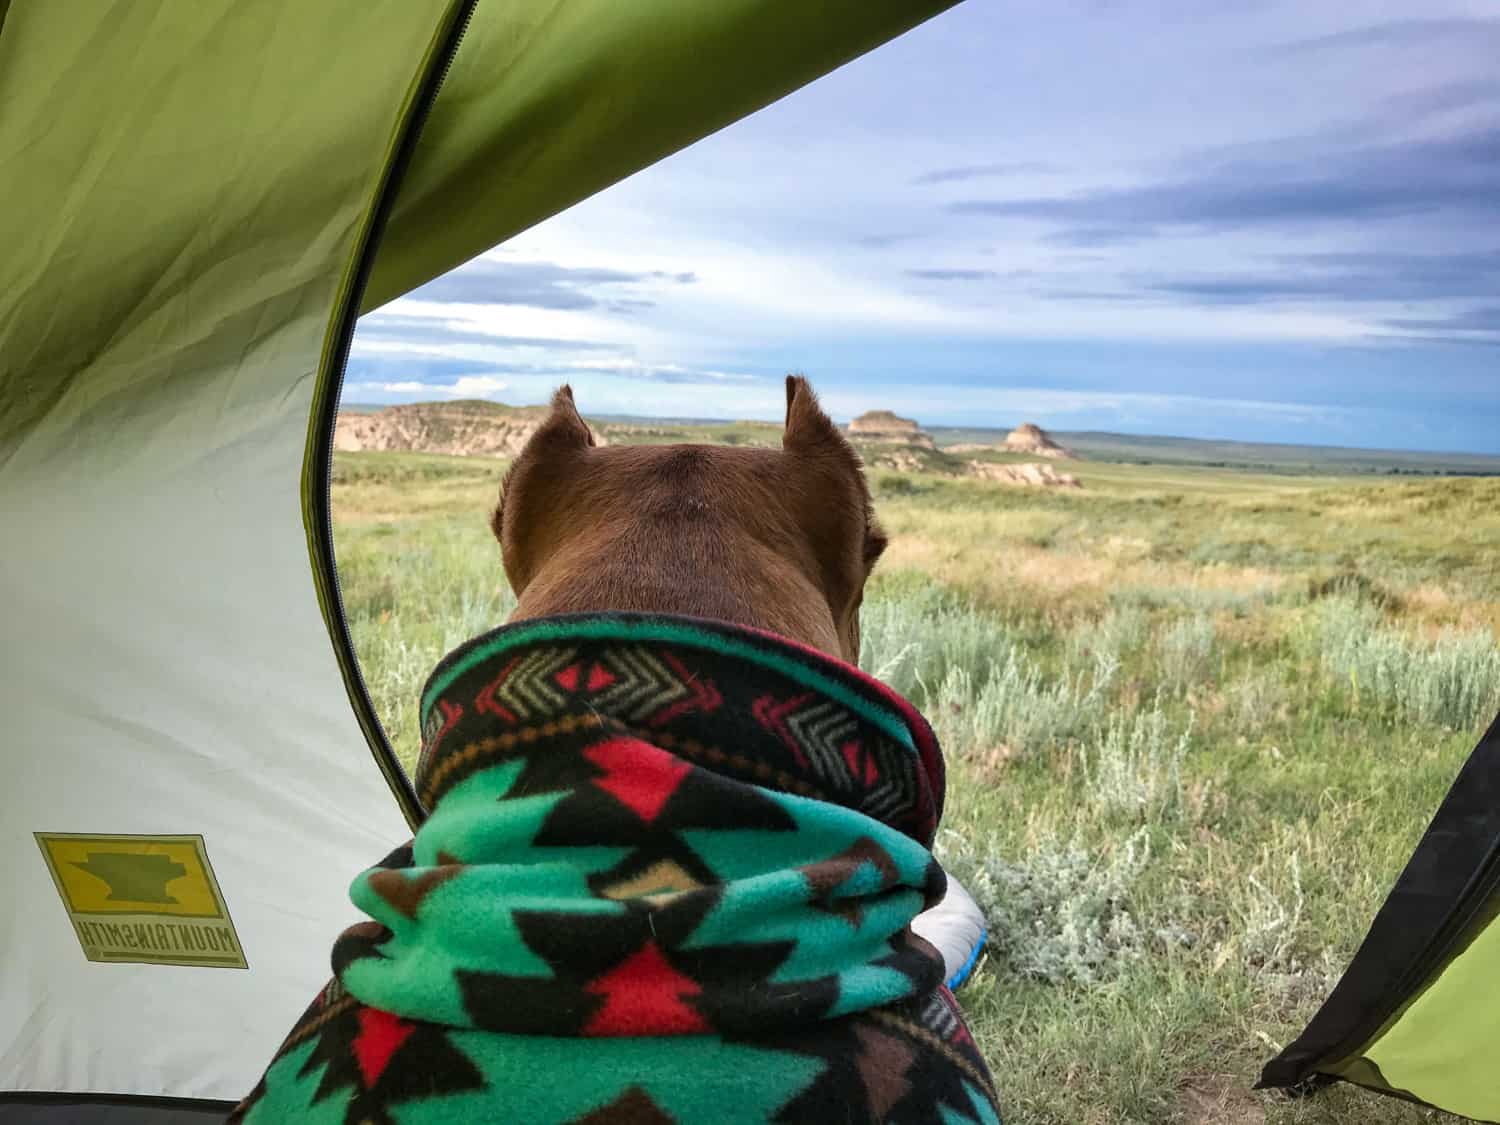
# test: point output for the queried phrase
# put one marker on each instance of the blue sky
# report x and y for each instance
(1251, 219)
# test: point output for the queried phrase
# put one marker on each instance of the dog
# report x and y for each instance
(676, 839)
(781, 540)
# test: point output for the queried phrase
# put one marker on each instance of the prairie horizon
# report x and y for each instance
(1106, 445)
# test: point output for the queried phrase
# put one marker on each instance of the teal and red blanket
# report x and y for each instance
(668, 875)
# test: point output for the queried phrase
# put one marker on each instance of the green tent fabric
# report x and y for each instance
(194, 196)
(1414, 1015)
(549, 102)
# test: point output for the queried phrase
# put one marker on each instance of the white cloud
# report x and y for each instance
(674, 372)
(465, 386)
(475, 386)
(405, 388)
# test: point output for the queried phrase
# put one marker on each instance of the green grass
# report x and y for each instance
(1195, 721)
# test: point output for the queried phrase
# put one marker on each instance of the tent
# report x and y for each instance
(194, 196)
(1415, 1015)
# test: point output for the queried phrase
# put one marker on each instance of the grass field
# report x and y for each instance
(1195, 718)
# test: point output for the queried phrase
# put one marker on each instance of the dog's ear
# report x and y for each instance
(564, 425)
(562, 432)
(808, 429)
(810, 433)
(840, 518)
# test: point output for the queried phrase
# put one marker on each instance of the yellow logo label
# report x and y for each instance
(143, 899)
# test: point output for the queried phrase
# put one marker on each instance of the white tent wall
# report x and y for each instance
(122, 722)
(168, 671)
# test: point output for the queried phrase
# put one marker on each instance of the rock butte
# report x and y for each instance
(1031, 438)
(885, 426)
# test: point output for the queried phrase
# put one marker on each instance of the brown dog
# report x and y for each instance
(778, 540)
(676, 861)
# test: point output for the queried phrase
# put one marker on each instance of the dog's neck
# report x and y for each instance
(716, 572)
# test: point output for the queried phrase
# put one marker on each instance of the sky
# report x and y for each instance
(1249, 220)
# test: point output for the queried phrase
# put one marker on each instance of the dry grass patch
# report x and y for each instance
(1220, 1099)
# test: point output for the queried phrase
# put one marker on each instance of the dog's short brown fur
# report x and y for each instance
(781, 540)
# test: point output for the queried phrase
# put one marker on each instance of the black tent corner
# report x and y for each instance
(1446, 896)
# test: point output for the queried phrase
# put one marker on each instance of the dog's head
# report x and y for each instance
(781, 540)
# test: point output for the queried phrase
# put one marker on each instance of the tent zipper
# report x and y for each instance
(318, 467)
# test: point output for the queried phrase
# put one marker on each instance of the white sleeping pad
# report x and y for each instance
(956, 927)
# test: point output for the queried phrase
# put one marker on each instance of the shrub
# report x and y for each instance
(912, 640)
(1136, 768)
(1185, 652)
(1194, 599)
(1266, 935)
(1353, 585)
(1116, 636)
(891, 485)
(1269, 922)
(1016, 707)
(1452, 681)
(972, 677)
(1256, 699)
(1061, 914)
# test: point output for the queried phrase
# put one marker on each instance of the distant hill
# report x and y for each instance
(1262, 456)
(1089, 445)
(470, 428)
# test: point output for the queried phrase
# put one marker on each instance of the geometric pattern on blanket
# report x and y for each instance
(668, 874)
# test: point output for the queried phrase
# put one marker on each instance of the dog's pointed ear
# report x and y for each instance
(808, 429)
(561, 433)
(827, 490)
(564, 425)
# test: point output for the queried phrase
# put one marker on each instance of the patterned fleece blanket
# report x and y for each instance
(668, 875)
